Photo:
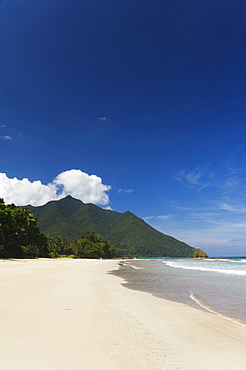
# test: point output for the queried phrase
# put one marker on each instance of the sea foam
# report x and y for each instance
(210, 267)
(207, 308)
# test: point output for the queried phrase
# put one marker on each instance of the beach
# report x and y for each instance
(70, 314)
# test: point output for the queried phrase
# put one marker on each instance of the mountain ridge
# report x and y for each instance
(131, 235)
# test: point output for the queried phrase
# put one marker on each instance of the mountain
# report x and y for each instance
(131, 235)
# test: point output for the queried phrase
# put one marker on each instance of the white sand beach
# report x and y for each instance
(71, 314)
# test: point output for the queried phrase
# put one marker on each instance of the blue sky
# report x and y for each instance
(149, 97)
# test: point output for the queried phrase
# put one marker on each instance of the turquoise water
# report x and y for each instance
(214, 285)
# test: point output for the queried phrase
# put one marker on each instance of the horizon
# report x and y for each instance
(129, 105)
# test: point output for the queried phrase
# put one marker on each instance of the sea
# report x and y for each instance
(215, 285)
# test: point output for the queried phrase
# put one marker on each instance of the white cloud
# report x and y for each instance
(2, 126)
(213, 216)
(104, 119)
(227, 207)
(160, 217)
(226, 238)
(6, 137)
(88, 188)
(78, 184)
(164, 217)
(108, 208)
(233, 208)
(148, 218)
(125, 191)
(194, 177)
(200, 178)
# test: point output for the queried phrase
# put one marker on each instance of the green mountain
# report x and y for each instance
(130, 235)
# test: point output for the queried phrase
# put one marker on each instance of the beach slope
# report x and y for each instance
(72, 314)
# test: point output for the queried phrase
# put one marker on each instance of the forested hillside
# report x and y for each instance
(20, 237)
(70, 218)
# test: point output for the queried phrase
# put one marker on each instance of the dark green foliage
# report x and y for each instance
(89, 245)
(69, 218)
(130, 235)
(58, 246)
(19, 234)
(199, 253)
(20, 237)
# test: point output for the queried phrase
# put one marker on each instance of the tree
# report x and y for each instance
(199, 253)
(92, 245)
(28, 217)
(19, 234)
(58, 246)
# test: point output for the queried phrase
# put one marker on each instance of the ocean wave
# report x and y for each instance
(220, 259)
(132, 266)
(207, 308)
(206, 269)
(238, 261)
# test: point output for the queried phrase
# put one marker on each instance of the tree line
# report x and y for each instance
(20, 237)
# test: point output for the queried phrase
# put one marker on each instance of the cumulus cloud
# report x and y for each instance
(78, 184)
(88, 188)
(6, 137)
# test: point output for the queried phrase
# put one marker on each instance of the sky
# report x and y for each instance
(131, 105)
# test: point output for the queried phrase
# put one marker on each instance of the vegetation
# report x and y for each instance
(199, 253)
(19, 234)
(63, 222)
(89, 245)
(131, 236)
(20, 237)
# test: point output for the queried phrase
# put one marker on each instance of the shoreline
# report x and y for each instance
(198, 304)
(74, 314)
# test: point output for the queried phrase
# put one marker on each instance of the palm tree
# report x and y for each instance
(29, 218)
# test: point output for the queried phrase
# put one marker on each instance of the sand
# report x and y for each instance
(72, 314)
